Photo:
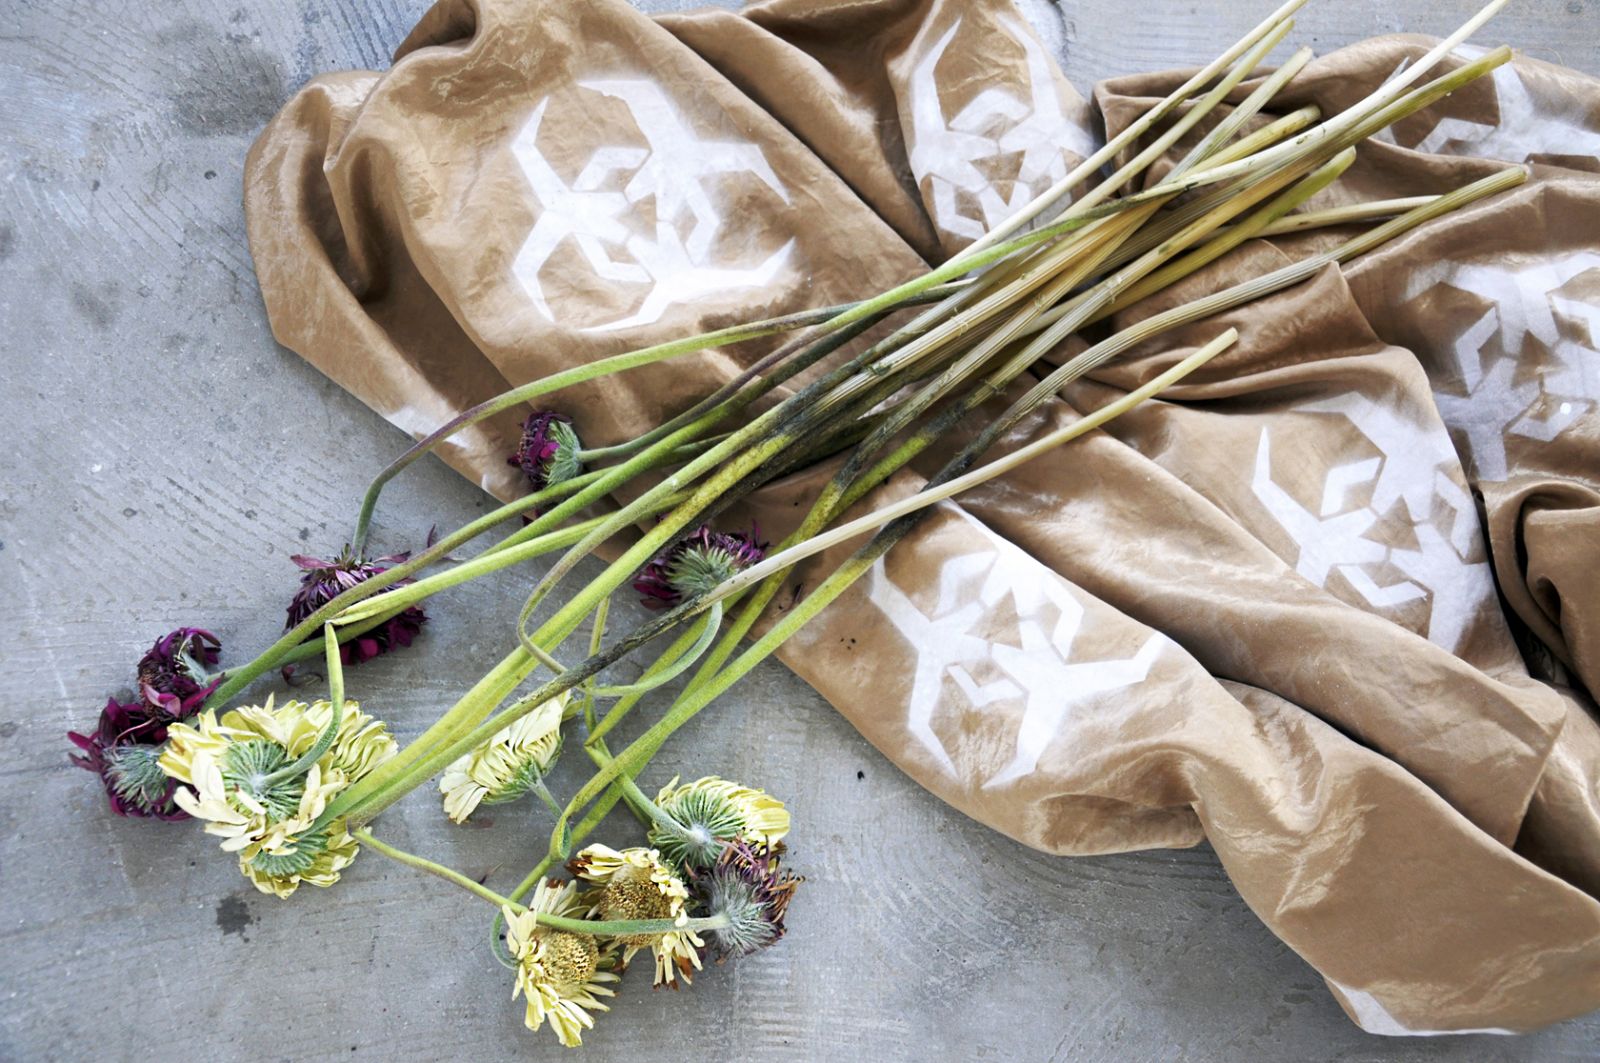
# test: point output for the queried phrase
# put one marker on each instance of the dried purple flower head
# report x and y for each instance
(747, 885)
(123, 751)
(548, 453)
(323, 581)
(174, 677)
(698, 563)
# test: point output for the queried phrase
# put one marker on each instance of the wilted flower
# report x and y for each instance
(698, 563)
(548, 452)
(325, 580)
(638, 884)
(712, 811)
(747, 886)
(174, 676)
(123, 751)
(508, 765)
(560, 973)
(228, 762)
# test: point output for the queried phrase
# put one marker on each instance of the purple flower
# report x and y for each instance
(698, 563)
(123, 751)
(323, 581)
(174, 676)
(548, 452)
(748, 886)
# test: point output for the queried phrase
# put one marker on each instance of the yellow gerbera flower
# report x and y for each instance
(711, 811)
(269, 827)
(508, 765)
(560, 973)
(638, 884)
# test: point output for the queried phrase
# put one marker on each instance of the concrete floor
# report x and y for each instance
(162, 456)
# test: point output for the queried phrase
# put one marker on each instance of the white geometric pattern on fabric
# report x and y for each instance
(608, 226)
(1523, 303)
(993, 125)
(1525, 129)
(1414, 468)
(1374, 1018)
(1040, 670)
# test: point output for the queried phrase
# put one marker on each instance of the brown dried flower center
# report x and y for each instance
(634, 898)
(569, 960)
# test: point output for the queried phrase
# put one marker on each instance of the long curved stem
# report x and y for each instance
(707, 628)
(829, 318)
(324, 742)
(595, 927)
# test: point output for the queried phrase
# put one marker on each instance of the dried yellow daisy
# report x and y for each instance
(712, 811)
(637, 884)
(230, 762)
(560, 973)
(508, 765)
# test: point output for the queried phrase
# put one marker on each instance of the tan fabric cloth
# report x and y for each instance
(1331, 606)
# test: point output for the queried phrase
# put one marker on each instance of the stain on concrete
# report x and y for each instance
(8, 241)
(228, 86)
(233, 915)
(8, 728)
(95, 307)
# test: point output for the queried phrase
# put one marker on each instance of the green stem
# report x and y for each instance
(365, 837)
(492, 560)
(707, 627)
(708, 682)
(1129, 136)
(829, 318)
(633, 927)
(594, 927)
(239, 678)
(758, 370)
(542, 792)
(903, 514)
(795, 418)
(579, 374)
(560, 625)
(324, 741)
(585, 827)
(690, 636)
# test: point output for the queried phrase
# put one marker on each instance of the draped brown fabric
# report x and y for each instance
(1333, 604)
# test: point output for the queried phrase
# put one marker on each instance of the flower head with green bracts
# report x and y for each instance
(547, 454)
(637, 884)
(508, 765)
(125, 751)
(561, 974)
(231, 764)
(698, 563)
(712, 812)
(174, 675)
(749, 888)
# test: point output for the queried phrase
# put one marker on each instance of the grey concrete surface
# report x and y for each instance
(161, 457)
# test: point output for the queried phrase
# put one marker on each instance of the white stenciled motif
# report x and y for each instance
(1371, 1015)
(674, 253)
(1526, 129)
(1039, 671)
(1515, 394)
(964, 155)
(1413, 470)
